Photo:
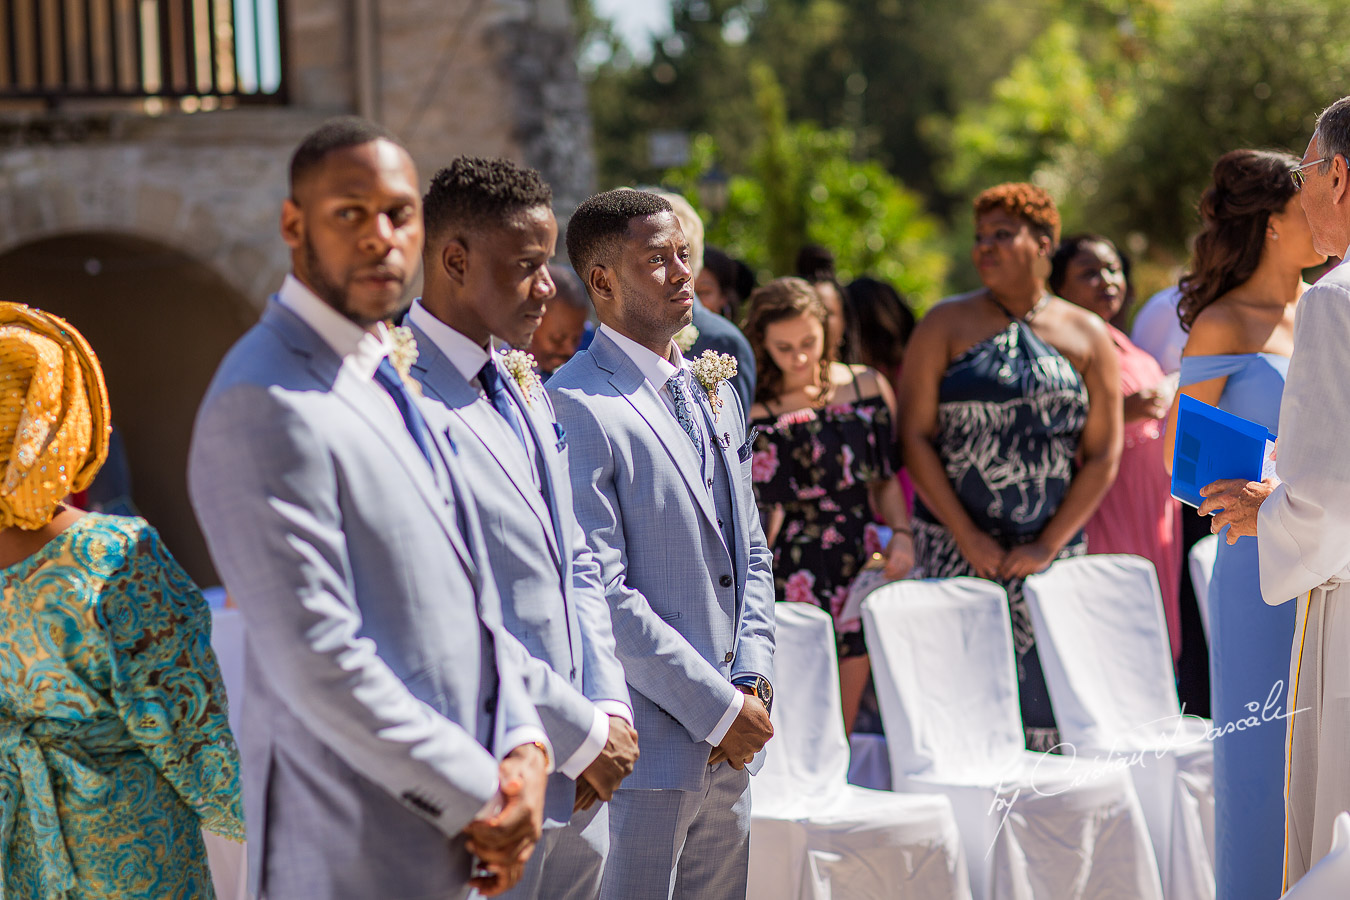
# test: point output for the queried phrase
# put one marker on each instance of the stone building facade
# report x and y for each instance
(154, 230)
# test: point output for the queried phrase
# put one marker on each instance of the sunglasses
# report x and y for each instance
(1299, 178)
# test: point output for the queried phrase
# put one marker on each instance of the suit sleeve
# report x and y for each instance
(755, 637)
(654, 655)
(265, 491)
(603, 675)
(1302, 536)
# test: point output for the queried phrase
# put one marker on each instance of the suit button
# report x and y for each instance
(710, 484)
(725, 581)
(729, 657)
(719, 523)
(490, 705)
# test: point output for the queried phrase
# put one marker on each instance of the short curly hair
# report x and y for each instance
(474, 191)
(601, 221)
(333, 135)
(1024, 201)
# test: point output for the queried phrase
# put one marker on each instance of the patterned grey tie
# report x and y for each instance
(685, 412)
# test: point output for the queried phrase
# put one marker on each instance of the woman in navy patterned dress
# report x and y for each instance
(1011, 423)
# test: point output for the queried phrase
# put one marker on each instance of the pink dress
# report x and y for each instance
(1138, 514)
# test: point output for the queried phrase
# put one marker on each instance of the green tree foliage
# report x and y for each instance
(804, 185)
(1118, 107)
(1226, 74)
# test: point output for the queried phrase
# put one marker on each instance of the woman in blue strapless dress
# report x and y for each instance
(1238, 303)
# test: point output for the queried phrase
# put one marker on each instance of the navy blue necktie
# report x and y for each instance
(388, 378)
(500, 398)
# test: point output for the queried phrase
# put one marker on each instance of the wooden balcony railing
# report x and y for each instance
(206, 53)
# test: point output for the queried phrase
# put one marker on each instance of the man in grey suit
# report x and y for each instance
(660, 466)
(387, 732)
(490, 233)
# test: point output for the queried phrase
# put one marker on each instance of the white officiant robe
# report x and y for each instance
(1303, 539)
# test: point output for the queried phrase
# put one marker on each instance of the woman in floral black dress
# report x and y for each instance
(824, 465)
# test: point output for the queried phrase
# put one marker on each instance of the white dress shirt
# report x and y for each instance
(361, 352)
(468, 358)
(657, 370)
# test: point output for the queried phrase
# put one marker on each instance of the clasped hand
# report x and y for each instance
(503, 840)
(747, 736)
(615, 763)
(989, 560)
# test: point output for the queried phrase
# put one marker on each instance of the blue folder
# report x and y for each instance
(1212, 445)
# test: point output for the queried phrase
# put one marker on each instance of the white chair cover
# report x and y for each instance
(1103, 645)
(1329, 879)
(228, 859)
(1202, 557)
(1033, 825)
(812, 835)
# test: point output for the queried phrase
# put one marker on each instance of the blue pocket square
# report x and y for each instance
(562, 437)
(749, 446)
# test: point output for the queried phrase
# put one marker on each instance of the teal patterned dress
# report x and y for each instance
(115, 749)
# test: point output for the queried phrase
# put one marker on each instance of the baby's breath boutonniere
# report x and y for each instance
(521, 366)
(402, 355)
(711, 369)
(686, 337)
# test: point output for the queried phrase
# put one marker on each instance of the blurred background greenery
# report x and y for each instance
(868, 125)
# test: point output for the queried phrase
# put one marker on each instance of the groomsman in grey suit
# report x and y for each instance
(660, 466)
(387, 735)
(490, 233)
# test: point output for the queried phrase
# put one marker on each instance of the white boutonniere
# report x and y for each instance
(711, 369)
(521, 366)
(402, 355)
(686, 337)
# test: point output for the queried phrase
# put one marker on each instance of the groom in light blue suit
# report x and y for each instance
(387, 731)
(490, 233)
(660, 465)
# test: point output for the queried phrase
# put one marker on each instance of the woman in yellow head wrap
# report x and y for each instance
(115, 749)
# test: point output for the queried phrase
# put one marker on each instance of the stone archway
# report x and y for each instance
(160, 322)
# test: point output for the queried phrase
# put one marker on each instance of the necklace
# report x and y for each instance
(1030, 314)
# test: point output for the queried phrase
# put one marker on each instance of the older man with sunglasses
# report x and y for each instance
(1301, 518)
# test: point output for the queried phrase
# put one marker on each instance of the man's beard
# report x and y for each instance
(334, 294)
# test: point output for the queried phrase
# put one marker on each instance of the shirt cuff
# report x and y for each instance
(589, 749)
(615, 708)
(724, 725)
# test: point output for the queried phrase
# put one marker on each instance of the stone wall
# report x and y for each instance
(483, 77)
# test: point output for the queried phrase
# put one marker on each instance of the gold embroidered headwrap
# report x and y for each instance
(54, 424)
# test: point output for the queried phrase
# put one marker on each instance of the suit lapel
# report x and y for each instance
(635, 388)
(545, 451)
(442, 381)
(327, 367)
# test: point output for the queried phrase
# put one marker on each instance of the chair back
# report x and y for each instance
(1102, 641)
(942, 660)
(1202, 558)
(807, 760)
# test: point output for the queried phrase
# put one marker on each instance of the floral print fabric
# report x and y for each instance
(115, 749)
(817, 466)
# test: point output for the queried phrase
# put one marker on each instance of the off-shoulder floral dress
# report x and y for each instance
(817, 465)
(115, 749)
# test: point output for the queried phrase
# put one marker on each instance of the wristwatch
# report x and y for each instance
(763, 690)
